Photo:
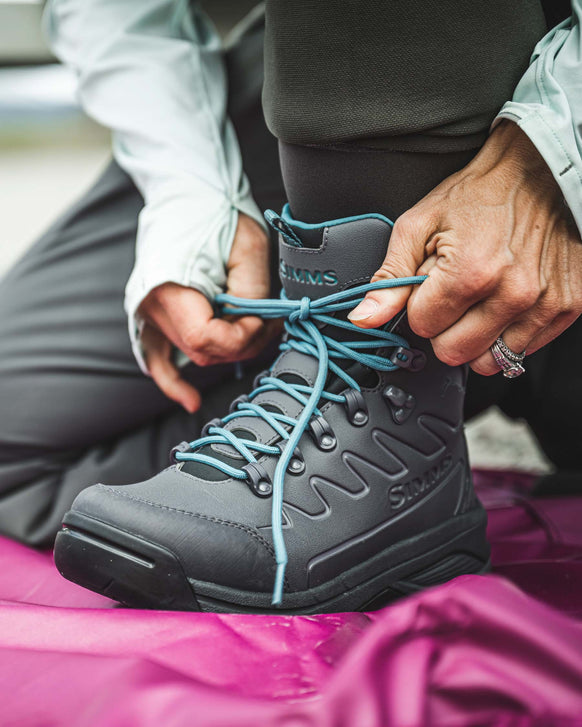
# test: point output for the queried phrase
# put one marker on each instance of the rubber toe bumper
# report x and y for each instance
(110, 530)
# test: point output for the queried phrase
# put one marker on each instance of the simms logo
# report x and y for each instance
(400, 495)
(310, 277)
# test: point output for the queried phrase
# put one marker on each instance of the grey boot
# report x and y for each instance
(377, 497)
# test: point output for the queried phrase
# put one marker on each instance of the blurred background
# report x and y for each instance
(50, 153)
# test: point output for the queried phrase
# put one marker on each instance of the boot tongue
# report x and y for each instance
(316, 260)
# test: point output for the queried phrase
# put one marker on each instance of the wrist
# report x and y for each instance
(510, 153)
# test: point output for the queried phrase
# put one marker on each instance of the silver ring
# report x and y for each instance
(508, 361)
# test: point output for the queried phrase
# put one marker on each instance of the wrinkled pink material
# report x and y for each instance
(504, 649)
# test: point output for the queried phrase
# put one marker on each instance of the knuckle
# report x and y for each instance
(552, 300)
(420, 326)
(201, 359)
(483, 369)
(404, 226)
(407, 244)
(450, 359)
(525, 294)
(565, 319)
(483, 278)
(200, 356)
(550, 305)
(393, 265)
(565, 303)
(421, 329)
(447, 353)
(191, 340)
(196, 339)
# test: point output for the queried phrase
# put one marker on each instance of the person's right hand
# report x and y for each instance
(183, 317)
(502, 255)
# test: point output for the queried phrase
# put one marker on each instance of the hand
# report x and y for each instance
(183, 317)
(502, 255)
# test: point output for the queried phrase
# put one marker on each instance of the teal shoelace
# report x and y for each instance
(301, 319)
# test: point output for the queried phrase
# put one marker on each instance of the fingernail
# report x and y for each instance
(366, 308)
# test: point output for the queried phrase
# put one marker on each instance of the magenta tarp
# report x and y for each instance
(504, 649)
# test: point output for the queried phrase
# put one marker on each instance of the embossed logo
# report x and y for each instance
(407, 492)
(308, 277)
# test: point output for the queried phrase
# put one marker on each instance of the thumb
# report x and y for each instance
(406, 253)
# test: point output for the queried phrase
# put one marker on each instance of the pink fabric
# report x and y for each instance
(504, 649)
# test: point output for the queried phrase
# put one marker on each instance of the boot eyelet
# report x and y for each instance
(296, 464)
(216, 422)
(327, 442)
(183, 447)
(356, 408)
(242, 399)
(258, 480)
(360, 418)
(322, 434)
(408, 358)
(258, 377)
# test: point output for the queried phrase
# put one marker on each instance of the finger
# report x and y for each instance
(270, 330)
(472, 335)
(406, 253)
(515, 337)
(192, 328)
(183, 316)
(552, 331)
(255, 344)
(223, 340)
(455, 284)
(169, 380)
(529, 335)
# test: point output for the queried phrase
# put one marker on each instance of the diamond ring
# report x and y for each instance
(508, 361)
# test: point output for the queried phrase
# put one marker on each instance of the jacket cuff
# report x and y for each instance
(178, 242)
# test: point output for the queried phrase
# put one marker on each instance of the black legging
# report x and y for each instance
(374, 102)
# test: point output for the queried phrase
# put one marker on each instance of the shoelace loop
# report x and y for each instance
(303, 334)
(304, 311)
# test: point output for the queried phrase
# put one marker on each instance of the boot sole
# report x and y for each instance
(142, 574)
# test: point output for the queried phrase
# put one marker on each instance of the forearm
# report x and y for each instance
(152, 71)
(547, 105)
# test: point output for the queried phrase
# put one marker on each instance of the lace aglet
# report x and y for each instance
(278, 587)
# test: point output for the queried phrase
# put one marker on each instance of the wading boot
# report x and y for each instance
(340, 483)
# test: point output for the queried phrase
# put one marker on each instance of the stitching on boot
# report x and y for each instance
(218, 521)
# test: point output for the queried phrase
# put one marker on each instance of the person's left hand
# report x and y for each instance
(502, 255)
(180, 317)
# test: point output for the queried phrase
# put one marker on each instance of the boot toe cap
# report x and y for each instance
(208, 548)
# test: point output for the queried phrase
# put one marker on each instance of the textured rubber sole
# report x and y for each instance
(141, 574)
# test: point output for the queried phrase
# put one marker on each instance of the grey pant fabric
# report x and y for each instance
(74, 407)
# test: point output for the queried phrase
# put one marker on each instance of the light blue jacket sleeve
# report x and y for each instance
(547, 105)
(152, 71)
